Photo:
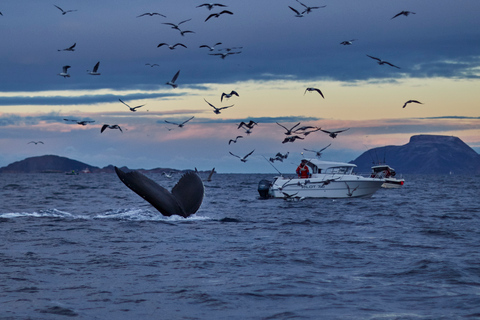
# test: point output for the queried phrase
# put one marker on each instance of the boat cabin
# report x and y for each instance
(383, 170)
(329, 167)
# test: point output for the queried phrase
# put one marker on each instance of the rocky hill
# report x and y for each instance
(424, 154)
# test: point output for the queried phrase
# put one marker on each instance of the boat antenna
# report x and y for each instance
(368, 150)
(272, 165)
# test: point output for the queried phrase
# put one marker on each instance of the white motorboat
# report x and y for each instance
(388, 173)
(326, 179)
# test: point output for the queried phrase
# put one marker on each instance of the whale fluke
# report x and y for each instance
(184, 200)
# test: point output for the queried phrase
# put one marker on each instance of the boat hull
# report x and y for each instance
(326, 187)
(392, 183)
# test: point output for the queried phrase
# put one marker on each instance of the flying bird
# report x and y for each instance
(228, 95)
(217, 110)
(348, 42)
(176, 26)
(182, 33)
(314, 89)
(289, 131)
(172, 82)
(411, 101)
(223, 55)
(319, 152)
(64, 11)
(180, 125)
(216, 15)
(249, 125)
(131, 109)
(71, 48)
(64, 72)
(292, 139)
(36, 142)
(171, 47)
(212, 47)
(403, 13)
(333, 134)
(151, 14)
(210, 6)
(114, 126)
(382, 62)
(297, 14)
(80, 122)
(234, 140)
(244, 159)
(279, 157)
(152, 65)
(309, 9)
(94, 72)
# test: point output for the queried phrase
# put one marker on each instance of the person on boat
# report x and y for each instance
(302, 170)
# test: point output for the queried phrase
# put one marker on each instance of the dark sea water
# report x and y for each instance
(87, 247)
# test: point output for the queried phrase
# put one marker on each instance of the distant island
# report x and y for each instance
(424, 154)
(57, 164)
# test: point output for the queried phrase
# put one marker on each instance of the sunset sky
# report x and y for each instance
(437, 50)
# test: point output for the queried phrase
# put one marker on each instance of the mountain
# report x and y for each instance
(424, 154)
(47, 163)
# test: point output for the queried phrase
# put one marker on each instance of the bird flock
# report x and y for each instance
(292, 134)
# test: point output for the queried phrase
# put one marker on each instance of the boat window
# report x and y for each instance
(339, 170)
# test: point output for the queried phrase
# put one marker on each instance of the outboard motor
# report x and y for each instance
(264, 188)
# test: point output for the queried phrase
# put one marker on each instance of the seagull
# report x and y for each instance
(71, 48)
(182, 33)
(168, 175)
(333, 134)
(36, 142)
(115, 126)
(94, 71)
(314, 89)
(223, 55)
(151, 14)
(171, 47)
(279, 157)
(350, 192)
(131, 109)
(292, 139)
(231, 48)
(229, 95)
(289, 131)
(80, 122)
(210, 6)
(172, 82)
(411, 101)
(212, 47)
(381, 62)
(297, 14)
(347, 42)
(244, 159)
(180, 125)
(309, 9)
(306, 131)
(319, 152)
(64, 72)
(215, 109)
(234, 140)
(176, 26)
(216, 15)
(249, 125)
(292, 197)
(64, 11)
(404, 13)
(152, 65)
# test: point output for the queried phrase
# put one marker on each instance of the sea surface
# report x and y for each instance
(87, 247)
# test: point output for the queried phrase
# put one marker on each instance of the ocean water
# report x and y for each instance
(87, 247)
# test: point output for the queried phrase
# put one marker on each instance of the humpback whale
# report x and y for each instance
(184, 200)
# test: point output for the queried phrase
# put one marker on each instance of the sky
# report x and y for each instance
(278, 56)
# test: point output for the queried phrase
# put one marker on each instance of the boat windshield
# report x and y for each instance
(338, 170)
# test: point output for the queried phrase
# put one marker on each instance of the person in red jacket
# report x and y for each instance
(302, 170)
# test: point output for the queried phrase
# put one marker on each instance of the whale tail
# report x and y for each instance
(184, 200)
